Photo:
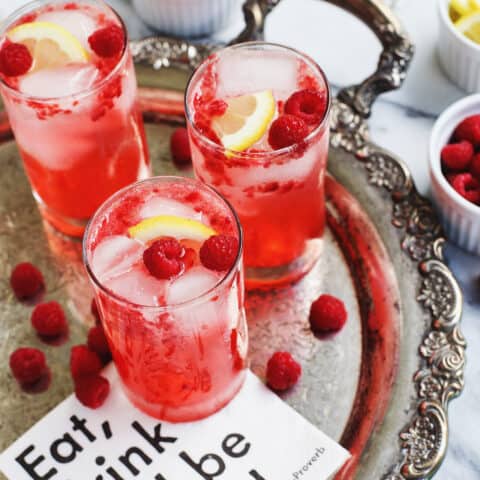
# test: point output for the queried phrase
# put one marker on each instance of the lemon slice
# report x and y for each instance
(470, 26)
(170, 226)
(245, 121)
(49, 44)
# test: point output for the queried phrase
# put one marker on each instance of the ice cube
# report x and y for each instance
(78, 23)
(166, 206)
(191, 284)
(115, 256)
(248, 72)
(59, 82)
(139, 287)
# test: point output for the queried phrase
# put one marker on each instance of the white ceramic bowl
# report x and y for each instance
(186, 18)
(459, 56)
(460, 218)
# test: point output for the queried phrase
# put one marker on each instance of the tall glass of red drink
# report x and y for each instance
(165, 259)
(68, 83)
(258, 120)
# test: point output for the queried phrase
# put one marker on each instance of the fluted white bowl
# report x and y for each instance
(460, 218)
(186, 18)
(458, 55)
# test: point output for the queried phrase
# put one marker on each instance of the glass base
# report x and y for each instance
(188, 413)
(264, 278)
(72, 227)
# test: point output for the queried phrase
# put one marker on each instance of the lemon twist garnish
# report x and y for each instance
(50, 45)
(245, 121)
(170, 226)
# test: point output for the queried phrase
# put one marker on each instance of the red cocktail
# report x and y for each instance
(69, 87)
(258, 123)
(165, 258)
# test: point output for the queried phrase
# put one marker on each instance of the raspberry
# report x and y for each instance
(219, 252)
(469, 129)
(162, 258)
(287, 130)
(216, 108)
(467, 186)
(309, 105)
(475, 166)
(26, 281)
(49, 320)
(457, 156)
(108, 41)
(180, 147)
(97, 342)
(92, 391)
(283, 371)
(84, 362)
(15, 59)
(28, 365)
(327, 314)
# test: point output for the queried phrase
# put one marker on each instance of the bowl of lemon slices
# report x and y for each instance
(459, 42)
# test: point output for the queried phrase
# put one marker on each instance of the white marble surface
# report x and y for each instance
(401, 122)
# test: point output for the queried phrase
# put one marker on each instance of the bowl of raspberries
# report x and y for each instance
(455, 171)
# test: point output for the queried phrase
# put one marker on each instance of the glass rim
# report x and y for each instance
(30, 6)
(265, 154)
(201, 298)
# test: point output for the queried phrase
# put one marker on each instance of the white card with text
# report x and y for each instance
(256, 437)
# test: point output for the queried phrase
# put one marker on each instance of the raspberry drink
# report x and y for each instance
(68, 83)
(165, 258)
(258, 123)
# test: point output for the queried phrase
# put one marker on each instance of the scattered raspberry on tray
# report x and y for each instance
(327, 314)
(283, 371)
(28, 365)
(48, 319)
(92, 390)
(84, 362)
(457, 156)
(26, 281)
(219, 252)
(97, 342)
(180, 147)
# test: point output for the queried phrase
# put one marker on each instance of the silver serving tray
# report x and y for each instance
(382, 386)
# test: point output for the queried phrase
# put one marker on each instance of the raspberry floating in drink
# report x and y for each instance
(164, 256)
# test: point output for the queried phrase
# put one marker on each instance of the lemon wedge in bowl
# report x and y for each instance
(49, 44)
(170, 226)
(470, 26)
(245, 120)
(461, 7)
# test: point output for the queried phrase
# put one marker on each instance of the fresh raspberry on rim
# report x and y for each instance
(467, 186)
(310, 105)
(48, 319)
(28, 365)
(163, 258)
(15, 59)
(107, 41)
(92, 391)
(457, 156)
(327, 314)
(26, 281)
(283, 371)
(180, 147)
(84, 362)
(219, 252)
(286, 130)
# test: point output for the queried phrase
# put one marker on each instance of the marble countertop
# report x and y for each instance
(401, 122)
